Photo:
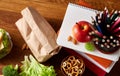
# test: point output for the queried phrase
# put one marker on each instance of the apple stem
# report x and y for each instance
(80, 27)
(77, 23)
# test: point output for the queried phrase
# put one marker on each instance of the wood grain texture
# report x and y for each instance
(53, 11)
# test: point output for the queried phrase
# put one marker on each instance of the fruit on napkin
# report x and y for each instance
(80, 31)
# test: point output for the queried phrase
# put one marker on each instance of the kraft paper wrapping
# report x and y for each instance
(38, 34)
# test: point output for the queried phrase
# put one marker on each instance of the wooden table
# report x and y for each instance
(53, 11)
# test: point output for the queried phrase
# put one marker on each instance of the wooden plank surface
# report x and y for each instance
(53, 11)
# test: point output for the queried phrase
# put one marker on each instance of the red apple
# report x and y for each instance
(80, 31)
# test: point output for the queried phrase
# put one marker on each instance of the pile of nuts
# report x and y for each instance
(70, 38)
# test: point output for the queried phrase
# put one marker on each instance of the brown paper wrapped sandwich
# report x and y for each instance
(38, 34)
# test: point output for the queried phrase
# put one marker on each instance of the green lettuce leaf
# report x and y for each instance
(30, 67)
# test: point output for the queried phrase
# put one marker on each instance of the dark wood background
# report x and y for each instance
(53, 11)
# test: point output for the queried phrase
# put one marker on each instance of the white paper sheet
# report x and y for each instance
(75, 13)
